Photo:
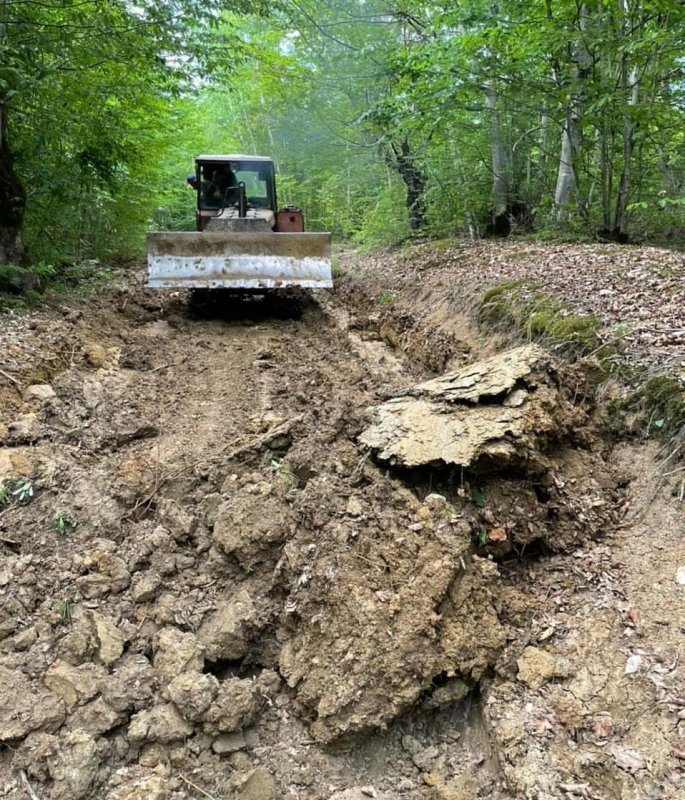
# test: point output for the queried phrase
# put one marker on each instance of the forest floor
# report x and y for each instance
(345, 546)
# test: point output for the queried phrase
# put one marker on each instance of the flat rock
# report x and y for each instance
(229, 743)
(498, 408)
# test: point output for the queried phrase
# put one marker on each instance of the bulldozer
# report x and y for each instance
(242, 240)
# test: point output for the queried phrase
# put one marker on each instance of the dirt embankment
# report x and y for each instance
(319, 548)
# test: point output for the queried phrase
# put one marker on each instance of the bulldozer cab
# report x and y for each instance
(219, 179)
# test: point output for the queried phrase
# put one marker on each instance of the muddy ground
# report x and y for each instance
(224, 574)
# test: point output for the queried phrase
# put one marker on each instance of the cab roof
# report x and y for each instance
(233, 157)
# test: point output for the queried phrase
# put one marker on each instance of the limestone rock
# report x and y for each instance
(536, 667)
(359, 793)
(159, 724)
(224, 633)
(75, 685)
(444, 421)
(192, 693)
(176, 652)
(24, 708)
(24, 430)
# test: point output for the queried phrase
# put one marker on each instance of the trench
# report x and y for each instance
(255, 483)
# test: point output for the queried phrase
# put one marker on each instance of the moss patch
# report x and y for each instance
(540, 316)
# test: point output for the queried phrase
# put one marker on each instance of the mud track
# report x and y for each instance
(215, 589)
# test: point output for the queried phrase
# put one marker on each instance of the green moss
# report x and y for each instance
(523, 306)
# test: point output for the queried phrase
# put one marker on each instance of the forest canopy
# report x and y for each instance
(387, 120)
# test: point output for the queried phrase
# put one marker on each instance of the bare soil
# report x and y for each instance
(210, 587)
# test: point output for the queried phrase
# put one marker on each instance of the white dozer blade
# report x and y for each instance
(227, 260)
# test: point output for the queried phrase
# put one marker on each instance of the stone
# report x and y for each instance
(95, 718)
(193, 693)
(144, 787)
(354, 507)
(161, 724)
(229, 743)
(259, 786)
(223, 634)
(74, 767)
(680, 576)
(110, 567)
(24, 708)
(75, 685)
(536, 667)
(359, 793)
(175, 519)
(24, 429)
(237, 704)
(176, 652)
(110, 639)
(42, 392)
(95, 355)
(131, 685)
(145, 585)
(443, 421)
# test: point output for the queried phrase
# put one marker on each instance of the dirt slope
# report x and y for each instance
(211, 587)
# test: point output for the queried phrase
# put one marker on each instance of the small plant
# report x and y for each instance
(482, 537)
(285, 472)
(448, 512)
(387, 298)
(478, 498)
(65, 612)
(63, 523)
(22, 490)
(4, 495)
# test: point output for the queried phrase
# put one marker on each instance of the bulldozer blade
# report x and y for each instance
(220, 259)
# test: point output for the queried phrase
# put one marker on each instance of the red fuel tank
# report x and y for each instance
(290, 220)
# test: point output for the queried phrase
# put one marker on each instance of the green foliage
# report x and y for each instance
(660, 402)
(16, 491)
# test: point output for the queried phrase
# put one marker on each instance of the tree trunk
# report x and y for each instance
(415, 183)
(630, 87)
(12, 201)
(500, 186)
(571, 131)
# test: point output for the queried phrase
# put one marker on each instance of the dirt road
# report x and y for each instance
(211, 587)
